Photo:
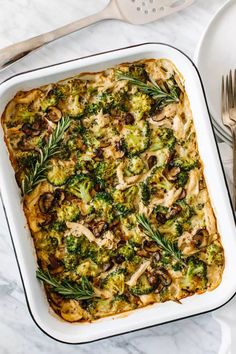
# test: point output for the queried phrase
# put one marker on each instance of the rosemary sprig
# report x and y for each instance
(163, 95)
(37, 172)
(66, 289)
(162, 242)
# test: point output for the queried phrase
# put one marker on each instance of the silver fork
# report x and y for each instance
(228, 105)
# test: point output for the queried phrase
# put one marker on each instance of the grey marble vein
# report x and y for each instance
(21, 19)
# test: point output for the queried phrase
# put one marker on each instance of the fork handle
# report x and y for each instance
(17, 51)
(234, 166)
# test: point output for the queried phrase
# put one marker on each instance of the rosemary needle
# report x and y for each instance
(163, 96)
(156, 236)
(37, 173)
(68, 290)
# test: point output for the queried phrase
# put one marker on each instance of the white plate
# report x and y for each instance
(22, 241)
(215, 56)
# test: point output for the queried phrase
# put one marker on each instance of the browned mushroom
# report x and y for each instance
(182, 195)
(129, 119)
(152, 160)
(150, 246)
(45, 202)
(200, 238)
(53, 114)
(59, 196)
(29, 130)
(174, 210)
(172, 173)
(165, 276)
(99, 228)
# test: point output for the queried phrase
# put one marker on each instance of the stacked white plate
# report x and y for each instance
(215, 56)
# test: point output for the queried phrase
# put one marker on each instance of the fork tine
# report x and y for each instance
(230, 92)
(223, 108)
(234, 88)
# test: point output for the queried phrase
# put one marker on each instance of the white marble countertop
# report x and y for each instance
(21, 19)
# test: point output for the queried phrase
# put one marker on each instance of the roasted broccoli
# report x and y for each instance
(140, 105)
(164, 139)
(185, 165)
(72, 243)
(145, 193)
(87, 268)
(59, 173)
(143, 287)
(124, 200)
(136, 166)
(102, 204)
(137, 138)
(214, 254)
(68, 211)
(127, 251)
(70, 261)
(182, 179)
(196, 275)
(115, 282)
(80, 185)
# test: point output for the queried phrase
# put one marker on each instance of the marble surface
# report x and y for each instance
(21, 19)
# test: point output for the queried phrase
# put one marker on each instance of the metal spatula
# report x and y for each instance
(137, 12)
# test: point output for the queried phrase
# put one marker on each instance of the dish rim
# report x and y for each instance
(220, 160)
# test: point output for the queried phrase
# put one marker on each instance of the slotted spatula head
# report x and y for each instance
(140, 12)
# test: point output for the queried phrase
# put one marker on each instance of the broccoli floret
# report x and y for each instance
(196, 275)
(138, 72)
(70, 261)
(185, 165)
(105, 170)
(71, 244)
(87, 268)
(140, 105)
(58, 226)
(68, 212)
(143, 287)
(136, 166)
(182, 179)
(80, 185)
(164, 139)
(127, 251)
(214, 254)
(115, 282)
(102, 203)
(145, 193)
(75, 108)
(124, 200)
(26, 159)
(59, 173)
(100, 255)
(137, 138)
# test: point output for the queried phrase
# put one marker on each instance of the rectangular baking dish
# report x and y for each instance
(155, 314)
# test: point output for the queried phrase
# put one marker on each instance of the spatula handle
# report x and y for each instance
(15, 52)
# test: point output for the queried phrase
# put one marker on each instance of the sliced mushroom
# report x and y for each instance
(152, 160)
(171, 174)
(150, 246)
(59, 196)
(174, 210)
(165, 276)
(99, 228)
(29, 130)
(200, 238)
(45, 202)
(53, 114)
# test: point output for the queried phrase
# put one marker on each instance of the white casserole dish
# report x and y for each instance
(22, 242)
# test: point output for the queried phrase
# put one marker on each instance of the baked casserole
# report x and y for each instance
(113, 190)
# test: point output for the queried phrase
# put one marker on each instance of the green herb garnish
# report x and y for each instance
(67, 289)
(37, 173)
(163, 95)
(162, 242)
